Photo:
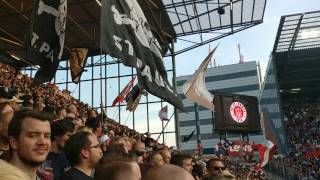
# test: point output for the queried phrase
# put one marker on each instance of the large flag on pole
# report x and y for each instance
(46, 35)
(163, 114)
(77, 59)
(123, 94)
(126, 34)
(195, 88)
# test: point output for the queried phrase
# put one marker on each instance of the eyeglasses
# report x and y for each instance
(217, 168)
(140, 153)
(95, 146)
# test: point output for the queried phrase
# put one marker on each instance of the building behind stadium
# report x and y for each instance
(236, 78)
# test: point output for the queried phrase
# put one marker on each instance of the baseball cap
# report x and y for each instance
(103, 139)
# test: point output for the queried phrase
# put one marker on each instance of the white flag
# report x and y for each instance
(195, 88)
(163, 114)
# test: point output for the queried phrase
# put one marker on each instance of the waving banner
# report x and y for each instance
(126, 34)
(45, 38)
(195, 88)
(77, 59)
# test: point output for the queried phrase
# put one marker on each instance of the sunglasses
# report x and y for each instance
(217, 168)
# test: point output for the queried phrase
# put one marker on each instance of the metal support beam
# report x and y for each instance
(210, 40)
(176, 118)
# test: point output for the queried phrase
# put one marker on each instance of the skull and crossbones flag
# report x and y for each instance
(45, 38)
(126, 34)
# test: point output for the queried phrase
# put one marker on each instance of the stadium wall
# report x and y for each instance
(270, 104)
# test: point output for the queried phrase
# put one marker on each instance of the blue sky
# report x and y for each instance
(256, 42)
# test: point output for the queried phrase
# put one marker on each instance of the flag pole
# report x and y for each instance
(162, 132)
(198, 128)
(162, 124)
(127, 118)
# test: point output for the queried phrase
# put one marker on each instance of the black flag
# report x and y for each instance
(45, 38)
(126, 34)
(187, 138)
(133, 98)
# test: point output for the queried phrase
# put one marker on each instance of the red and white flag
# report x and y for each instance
(264, 152)
(163, 114)
(123, 94)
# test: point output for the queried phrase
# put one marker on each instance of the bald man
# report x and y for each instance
(168, 172)
(118, 170)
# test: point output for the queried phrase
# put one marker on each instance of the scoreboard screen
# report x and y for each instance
(236, 113)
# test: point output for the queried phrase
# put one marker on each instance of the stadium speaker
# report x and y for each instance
(221, 11)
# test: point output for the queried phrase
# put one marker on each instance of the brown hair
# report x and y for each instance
(15, 126)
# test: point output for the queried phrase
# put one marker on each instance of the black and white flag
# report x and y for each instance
(46, 35)
(126, 34)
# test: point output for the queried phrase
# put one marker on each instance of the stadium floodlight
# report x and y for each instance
(15, 57)
(98, 2)
(296, 89)
(221, 11)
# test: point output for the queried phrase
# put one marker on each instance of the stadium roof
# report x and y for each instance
(298, 31)
(176, 19)
(214, 18)
(297, 53)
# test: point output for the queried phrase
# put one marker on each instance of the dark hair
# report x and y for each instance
(212, 160)
(59, 109)
(26, 100)
(15, 126)
(215, 177)
(61, 127)
(70, 119)
(178, 159)
(50, 109)
(198, 170)
(93, 123)
(74, 145)
(88, 112)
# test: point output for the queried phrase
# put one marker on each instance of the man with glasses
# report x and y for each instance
(83, 153)
(217, 167)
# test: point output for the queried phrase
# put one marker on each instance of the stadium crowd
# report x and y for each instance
(46, 134)
(302, 122)
(67, 139)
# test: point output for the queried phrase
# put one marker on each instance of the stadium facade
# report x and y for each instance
(236, 78)
(270, 105)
